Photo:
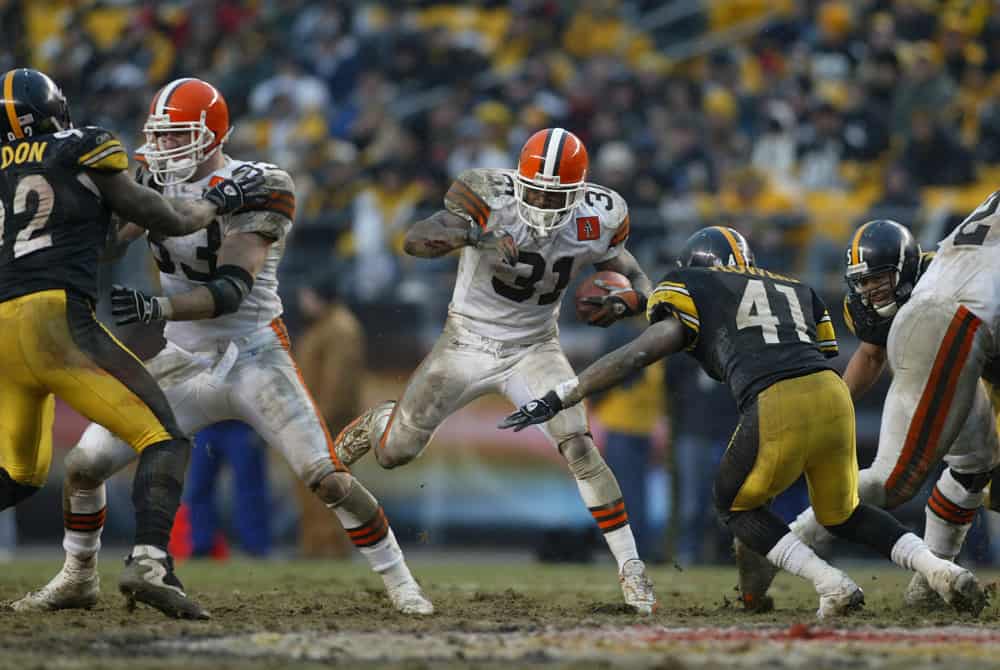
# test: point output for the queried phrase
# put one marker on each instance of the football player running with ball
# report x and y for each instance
(523, 235)
(227, 354)
(935, 409)
(768, 337)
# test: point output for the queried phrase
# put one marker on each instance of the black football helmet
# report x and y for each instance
(883, 264)
(30, 104)
(716, 245)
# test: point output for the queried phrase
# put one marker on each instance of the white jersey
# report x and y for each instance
(521, 303)
(965, 267)
(190, 261)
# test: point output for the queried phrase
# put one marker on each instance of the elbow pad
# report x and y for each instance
(230, 285)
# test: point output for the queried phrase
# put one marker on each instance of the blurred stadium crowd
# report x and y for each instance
(791, 120)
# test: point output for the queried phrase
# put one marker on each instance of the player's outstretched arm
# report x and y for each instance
(172, 216)
(661, 339)
(864, 368)
(241, 258)
(442, 232)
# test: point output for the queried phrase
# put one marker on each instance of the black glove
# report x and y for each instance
(502, 242)
(618, 304)
(244, 189)
(131, 306)
(536, 411)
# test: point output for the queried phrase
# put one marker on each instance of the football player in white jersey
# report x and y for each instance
(227, 354)
(937, 335)
(523, 234)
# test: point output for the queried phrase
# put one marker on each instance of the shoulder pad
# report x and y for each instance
(477, 192)
(94, 148)
(281, 190)
(611, 205)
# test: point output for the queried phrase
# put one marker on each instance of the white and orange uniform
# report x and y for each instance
(234, 366)
(501, 335)
(938, 346)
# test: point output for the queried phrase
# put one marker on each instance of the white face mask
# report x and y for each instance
(177, 164)
(878, 291)
(545, 220)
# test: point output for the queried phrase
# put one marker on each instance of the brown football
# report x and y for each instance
(585, 311)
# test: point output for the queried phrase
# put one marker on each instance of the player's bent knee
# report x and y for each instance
(393, 459)
(871, 488)
(87, 469)
(334, 488)
(972, 482)
(13, 492)
(581, 455)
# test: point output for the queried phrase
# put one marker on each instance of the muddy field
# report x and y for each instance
(490, 615)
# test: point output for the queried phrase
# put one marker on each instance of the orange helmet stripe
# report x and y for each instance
(8, 97)
(741, 261)
(855, 243)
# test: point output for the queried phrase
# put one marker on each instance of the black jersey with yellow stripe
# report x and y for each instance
(865, 322)
(747, 327)
(54, 220)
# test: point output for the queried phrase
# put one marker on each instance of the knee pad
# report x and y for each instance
(582, 456)
(334, 488)
(13, 492)
(87, 469)
(871, 488)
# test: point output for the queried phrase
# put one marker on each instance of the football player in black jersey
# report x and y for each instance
(59, 187)
(883, 265)
(767, 337)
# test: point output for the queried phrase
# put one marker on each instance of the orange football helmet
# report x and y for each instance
(551, 173)
(186, 105)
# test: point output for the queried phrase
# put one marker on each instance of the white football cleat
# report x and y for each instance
(409, 598)
(359, 436)
(959, 588)
(72, 588)
(637, 587)
(920, 595)
(840, 597)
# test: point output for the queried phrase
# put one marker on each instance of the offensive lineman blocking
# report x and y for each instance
(523, 236)
(227, 354)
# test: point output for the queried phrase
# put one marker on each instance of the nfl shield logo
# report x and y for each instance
(588, 228)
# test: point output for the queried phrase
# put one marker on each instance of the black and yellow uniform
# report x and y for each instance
(54, 226)
(769, 337)
(865, 322)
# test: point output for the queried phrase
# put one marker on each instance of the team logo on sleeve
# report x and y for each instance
(588, 228)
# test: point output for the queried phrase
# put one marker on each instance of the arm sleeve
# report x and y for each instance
(671, 298)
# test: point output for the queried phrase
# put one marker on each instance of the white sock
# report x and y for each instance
(812, 532)
(792, 555)
(950, 511)
(911, 553)
(385, 555)
(622, 545)
(82, 544)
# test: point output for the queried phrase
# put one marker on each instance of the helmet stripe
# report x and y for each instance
(554, 142)
(855, 243)
(168, 90)
(741, 260)
(8, 97)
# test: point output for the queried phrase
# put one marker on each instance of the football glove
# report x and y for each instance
(244, 189)
(537, 411)
(619, 303)
(502, 242)
(131, 306)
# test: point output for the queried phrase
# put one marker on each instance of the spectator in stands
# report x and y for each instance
(925, 86)
(900, 200)
(775, 151)
(821, 149)
(334, 376)
(934, 156)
